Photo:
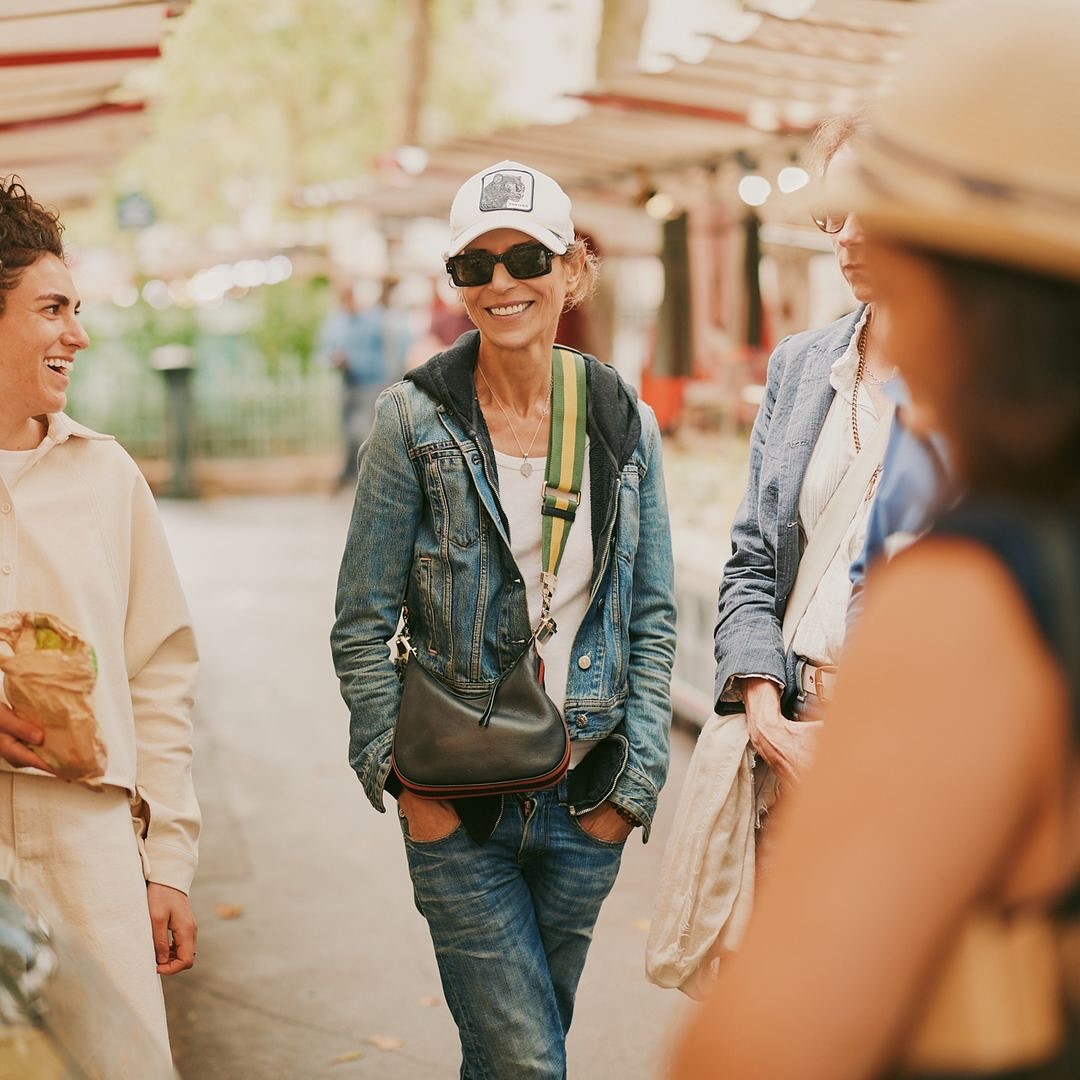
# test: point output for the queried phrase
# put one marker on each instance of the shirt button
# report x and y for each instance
(5, 508)
(6, 568)
(584, 662)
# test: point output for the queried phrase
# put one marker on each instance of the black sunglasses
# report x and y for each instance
(830, 223)
(478, 267)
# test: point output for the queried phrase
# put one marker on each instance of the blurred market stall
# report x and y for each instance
(65, 116)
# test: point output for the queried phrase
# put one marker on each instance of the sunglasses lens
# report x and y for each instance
(471, 268)
(830, 223)
(528, 261)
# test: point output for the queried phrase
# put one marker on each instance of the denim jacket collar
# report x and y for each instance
(613, 423)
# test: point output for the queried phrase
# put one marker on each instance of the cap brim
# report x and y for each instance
(508, 219)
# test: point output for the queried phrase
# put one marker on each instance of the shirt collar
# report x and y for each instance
(846, 365)
(62, 427)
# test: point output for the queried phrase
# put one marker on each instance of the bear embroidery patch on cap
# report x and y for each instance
(507, 189)
(510, 195)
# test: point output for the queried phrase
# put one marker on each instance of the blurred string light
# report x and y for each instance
(208, 287)
(318, 196)
(792, 178)
(413, 160)
(156, 293)
(660, 205)
(754, 190)
(125, 296)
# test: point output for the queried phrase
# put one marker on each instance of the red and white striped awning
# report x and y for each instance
(64, 116)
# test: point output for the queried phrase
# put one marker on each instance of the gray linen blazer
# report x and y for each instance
(766, 542)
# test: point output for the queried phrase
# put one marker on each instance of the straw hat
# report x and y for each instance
(977, 151)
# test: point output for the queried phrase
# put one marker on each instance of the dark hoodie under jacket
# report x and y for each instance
(614, 428)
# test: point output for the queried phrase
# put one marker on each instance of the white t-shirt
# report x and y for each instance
(521, 499)
(12, 463)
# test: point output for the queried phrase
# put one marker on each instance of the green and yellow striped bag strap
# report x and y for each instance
(565, 467)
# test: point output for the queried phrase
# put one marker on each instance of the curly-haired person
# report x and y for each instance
(80, 539)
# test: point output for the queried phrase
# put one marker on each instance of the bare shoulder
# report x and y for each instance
(948, 618)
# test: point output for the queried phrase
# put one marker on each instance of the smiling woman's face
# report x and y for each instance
(40, 335)
(514, 314)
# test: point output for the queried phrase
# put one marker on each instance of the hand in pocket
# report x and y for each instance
(427, 819)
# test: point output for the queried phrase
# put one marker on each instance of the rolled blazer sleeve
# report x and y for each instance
(747, 639)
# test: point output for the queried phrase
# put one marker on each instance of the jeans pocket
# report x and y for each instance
(404, 822)
(612, 845)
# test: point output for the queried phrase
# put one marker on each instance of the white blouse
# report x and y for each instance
(820, 635)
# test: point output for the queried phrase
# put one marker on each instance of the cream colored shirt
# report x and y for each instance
(80, 538)
(521, 499)
(820, 635)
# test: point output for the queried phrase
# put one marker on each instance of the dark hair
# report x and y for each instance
(1014, 403)
(27, 231)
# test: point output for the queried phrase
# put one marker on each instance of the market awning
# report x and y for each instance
(64, 116)
(778, 82)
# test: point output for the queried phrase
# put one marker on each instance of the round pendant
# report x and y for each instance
(526, 468)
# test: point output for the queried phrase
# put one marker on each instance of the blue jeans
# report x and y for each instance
(511, 921)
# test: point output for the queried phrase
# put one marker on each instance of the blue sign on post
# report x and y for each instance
(134, 211)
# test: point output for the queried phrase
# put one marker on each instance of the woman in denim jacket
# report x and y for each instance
(447, 523)
(823, 401)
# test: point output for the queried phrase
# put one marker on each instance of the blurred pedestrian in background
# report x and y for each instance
(446, 322)
(920, 919)
(367, 344)
(447, 523)
(80, 540)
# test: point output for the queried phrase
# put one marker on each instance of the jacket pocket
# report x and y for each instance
(455, 503)
(430, 603)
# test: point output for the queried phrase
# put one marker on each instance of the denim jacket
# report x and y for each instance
(428, 531)
(766, 541)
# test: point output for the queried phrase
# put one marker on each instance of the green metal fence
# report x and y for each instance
(240, 410)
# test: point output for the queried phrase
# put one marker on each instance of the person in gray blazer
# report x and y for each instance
(823, 401)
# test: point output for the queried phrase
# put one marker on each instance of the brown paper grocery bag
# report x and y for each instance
(49, 680)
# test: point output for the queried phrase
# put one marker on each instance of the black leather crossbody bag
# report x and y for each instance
(451, 743)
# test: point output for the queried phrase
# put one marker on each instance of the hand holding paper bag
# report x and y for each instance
(49, 681)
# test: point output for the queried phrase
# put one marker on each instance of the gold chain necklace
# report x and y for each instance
(860, 345)
(526, 468)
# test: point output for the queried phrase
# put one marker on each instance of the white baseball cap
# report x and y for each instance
(510, 195)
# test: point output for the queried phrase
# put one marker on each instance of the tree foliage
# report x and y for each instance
(254, 100)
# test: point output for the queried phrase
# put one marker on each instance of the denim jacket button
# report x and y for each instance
(582, 720)
(584, 662)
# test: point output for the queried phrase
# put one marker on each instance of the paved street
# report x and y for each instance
(325, 956)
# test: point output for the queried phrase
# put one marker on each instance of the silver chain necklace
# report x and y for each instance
(526, 468)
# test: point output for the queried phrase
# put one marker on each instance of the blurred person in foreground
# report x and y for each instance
(447, 523)
(81, 540)
(824, 402)
(923, 902)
